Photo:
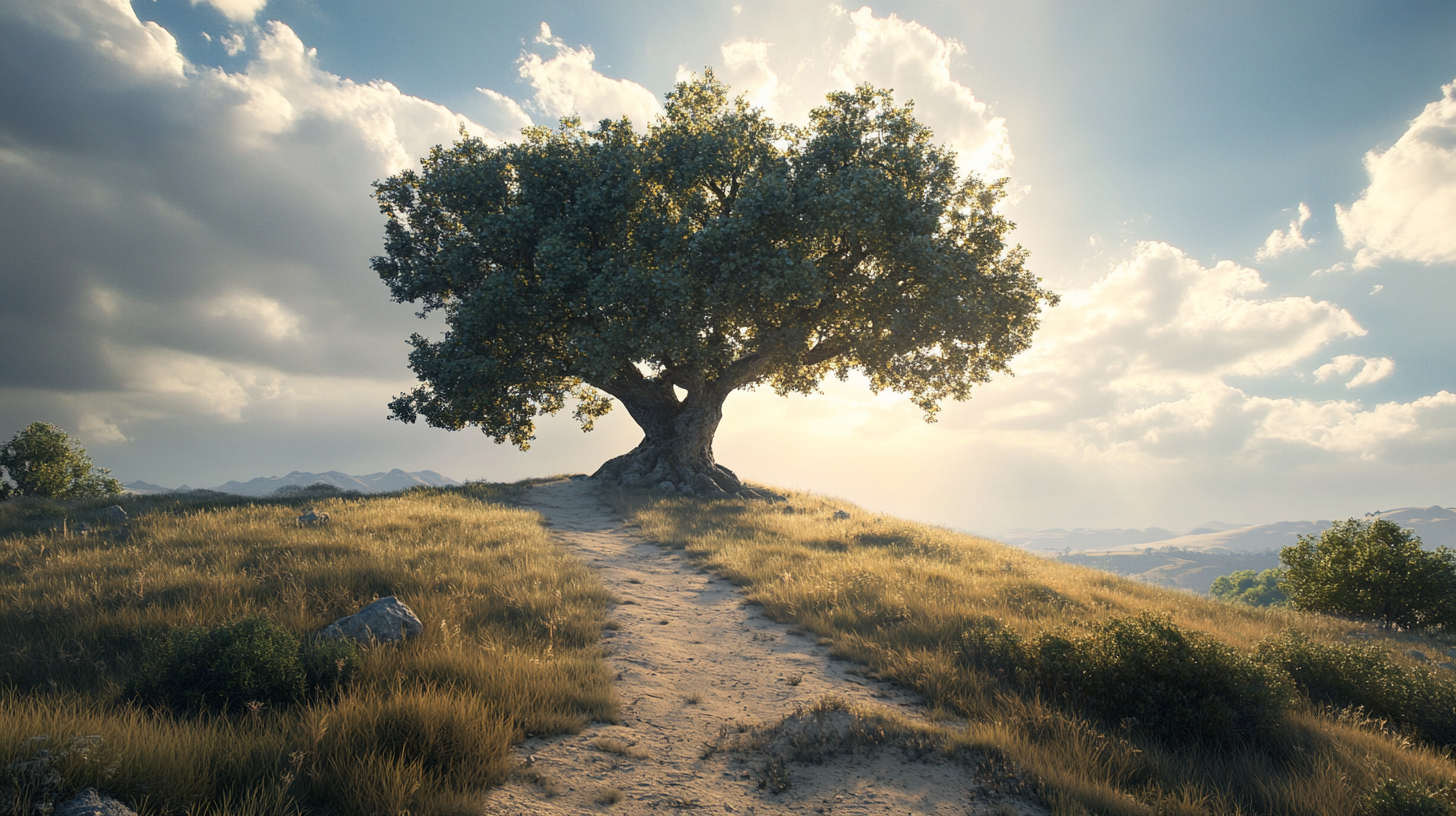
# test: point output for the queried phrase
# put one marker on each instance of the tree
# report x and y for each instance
(1249, 587)
(717, 251)
(43, 460)
(1372, 569)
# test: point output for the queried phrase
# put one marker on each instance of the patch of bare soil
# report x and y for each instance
(724, 711)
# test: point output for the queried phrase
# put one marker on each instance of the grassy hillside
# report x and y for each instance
(1120, 697)
(511, 626)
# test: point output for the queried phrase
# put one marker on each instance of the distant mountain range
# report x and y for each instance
(383, 482)
(1435, 525)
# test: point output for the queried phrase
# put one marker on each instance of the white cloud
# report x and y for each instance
(234, 43)
(239, 11)
(1371, 369)
(505, 115)
(1347, 427)
(567, 85)
(914, 61)
(1280, 241)
(746, 69)
(1409, 208)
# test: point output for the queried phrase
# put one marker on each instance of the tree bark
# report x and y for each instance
(676, 451)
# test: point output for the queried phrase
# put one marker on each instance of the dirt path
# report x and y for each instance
(692, 659)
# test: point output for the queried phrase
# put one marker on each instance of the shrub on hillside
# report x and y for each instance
(248, 660)
(1364, 676)
(1144, 671)
(43, 460)
(1372, 570)
(1249, 587)
(1394, 798)
(329, 663)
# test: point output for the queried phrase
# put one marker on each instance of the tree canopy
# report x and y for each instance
(1372, 569)
(43, 460)
(1250, 587)
(718, 250)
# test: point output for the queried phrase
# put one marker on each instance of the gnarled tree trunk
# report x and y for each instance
(676, 451)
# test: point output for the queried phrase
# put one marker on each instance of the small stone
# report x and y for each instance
(1448, 666)
(665, 485)
(311, 517)
(1451, 653)
(841, 515)
(1416, 654)
(385, 621)
(90, 802)
(114, 514)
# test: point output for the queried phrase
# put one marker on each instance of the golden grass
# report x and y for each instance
(510, 648)
(896, 596)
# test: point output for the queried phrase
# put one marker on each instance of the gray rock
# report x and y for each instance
(387, 620)
(1417, 654)
(840, 514)
(114, 514)
(89, 802)
(666, 485)
(1448, 666)
(311, 517)
(1451, 653)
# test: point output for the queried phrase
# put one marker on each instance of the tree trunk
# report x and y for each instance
(676, 451)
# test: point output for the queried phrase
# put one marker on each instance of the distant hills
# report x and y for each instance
(1192, 560)
(383, 482)
(1435, 525)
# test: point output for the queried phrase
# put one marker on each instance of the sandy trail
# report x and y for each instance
(691, 659)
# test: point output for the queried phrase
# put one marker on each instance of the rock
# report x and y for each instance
(310, 518)
(1448, 666)
(91, 803)
(1416, 654)
(114, 514)
(1451, 653)
(385, 621)
(665, 485)
(840, 514)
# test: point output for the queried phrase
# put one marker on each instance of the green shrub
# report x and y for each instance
(248, 660)
(43, 460)
(1392, 798)
(1144, 671)
(1174, 682)
(329, 663)
(1372, 570)
(1249, 587)
(1365, 677)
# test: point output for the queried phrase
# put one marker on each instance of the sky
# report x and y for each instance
(1249, 210)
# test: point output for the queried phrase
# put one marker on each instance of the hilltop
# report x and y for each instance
(383, 482)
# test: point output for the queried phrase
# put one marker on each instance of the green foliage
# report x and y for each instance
(1365, 677)
(329, 663)
(1395, 798)
(1249, 587)
(43, 460)
(248, 660)
(1372, 570)
(719, 249)
(1143, 671)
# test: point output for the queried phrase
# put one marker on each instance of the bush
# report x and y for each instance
(249, 660)
(329, 663)
(1365, 677)
(43, 460)
(1251, 588)
(1144, 671)
(1392, 798)
(1372, 570)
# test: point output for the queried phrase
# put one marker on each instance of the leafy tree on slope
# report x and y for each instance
(1372, 570)
(718, 251)
(43, 460)
(1249, 587)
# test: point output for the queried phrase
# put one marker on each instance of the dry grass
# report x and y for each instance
(897, 595)
(512, 623)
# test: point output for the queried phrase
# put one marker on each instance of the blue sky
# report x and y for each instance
(1248, 208)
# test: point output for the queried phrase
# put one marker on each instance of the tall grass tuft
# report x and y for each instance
(133, 635)
(1119, 697)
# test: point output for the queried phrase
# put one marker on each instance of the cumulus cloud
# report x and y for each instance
(1280, 241)
(1369, 369)
(568, 85)
(239, 11)
(1410, 205)
(746, 69)
(917, 63)
(204, 235)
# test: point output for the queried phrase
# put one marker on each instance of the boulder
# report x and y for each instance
(1416, 654)
(841, 515)
(310, 517)
(114, 514)
(387, 620)
(90, 802)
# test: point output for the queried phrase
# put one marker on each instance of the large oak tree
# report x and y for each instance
(718, 251)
